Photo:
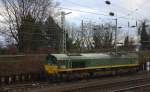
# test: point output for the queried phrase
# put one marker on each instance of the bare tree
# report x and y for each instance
(103, 36)
(86, 35)
(73, 37)
(144, 32)
(15, 11)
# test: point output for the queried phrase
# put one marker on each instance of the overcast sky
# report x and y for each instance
(125, 10)
(137, 9)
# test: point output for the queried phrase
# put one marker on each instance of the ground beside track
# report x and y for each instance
(65, 87)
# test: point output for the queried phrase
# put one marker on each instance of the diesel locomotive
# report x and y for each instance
(71, 66)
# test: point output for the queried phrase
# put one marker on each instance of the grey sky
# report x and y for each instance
(125, 10)
(137, 9)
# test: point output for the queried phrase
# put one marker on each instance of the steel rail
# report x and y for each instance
(131, 88)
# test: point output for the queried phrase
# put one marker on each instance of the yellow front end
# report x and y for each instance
(51, 69)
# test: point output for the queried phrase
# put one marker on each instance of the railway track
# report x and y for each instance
(140, 88)
(23, 87)
(121, 86)
(112, 84)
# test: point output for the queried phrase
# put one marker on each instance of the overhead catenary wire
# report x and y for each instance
(127, 10)
(87, 7)
(84, 6)
(144, 4)
(101, 14)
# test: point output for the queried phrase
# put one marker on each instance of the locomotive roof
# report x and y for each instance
(89, 56)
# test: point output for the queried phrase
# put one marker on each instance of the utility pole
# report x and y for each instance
(64, 31)
(82, 37)
(116, 29)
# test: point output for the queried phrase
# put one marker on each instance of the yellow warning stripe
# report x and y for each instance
(98, 67)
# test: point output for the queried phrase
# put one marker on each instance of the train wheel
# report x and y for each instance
(50, 78)
(114, 72)
(92, 75)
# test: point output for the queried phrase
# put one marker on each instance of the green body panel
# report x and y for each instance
(90, 60)
(103, 62)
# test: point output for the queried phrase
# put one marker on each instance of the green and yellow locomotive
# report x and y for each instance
(61, 66)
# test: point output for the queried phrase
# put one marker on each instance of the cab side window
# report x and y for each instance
(54, 61)
(51, 60)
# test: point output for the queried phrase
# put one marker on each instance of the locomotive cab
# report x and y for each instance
(51, 64)
(51, 60)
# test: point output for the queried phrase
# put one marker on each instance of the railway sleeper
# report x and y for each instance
(2, 80)
(19, 78)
